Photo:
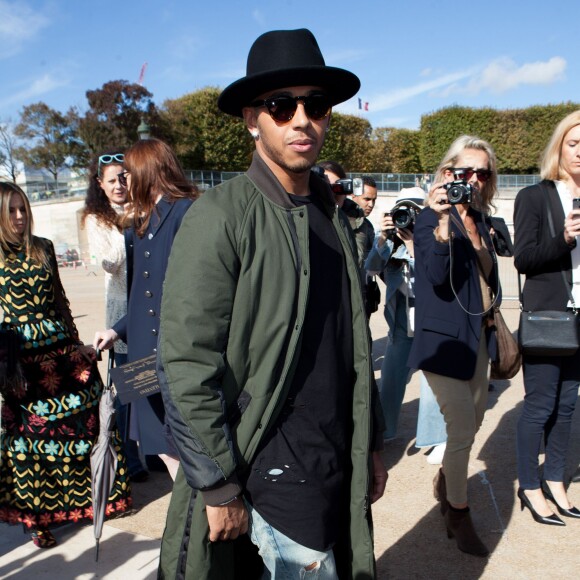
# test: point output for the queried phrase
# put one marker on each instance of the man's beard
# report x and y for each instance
(297, 166)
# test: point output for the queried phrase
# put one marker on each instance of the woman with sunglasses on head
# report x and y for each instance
(104, 207)
(50, 385)
(456, 287)
(159, 196)
(546, 227)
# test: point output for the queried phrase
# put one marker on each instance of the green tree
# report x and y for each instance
(114, 113)
(203, 136)
(53, 141)
(380, 157)
(348, 142)
(402, 151)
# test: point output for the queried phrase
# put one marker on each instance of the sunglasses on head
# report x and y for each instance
(283, 108)
(123, 178)
(467, 173)
(106, 159)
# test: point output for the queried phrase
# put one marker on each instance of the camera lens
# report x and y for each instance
(455, 193)
(458, 192)
(402, 218)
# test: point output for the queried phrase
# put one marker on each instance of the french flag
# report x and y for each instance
(364, 106)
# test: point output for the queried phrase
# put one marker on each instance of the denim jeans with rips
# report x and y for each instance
(285, 559)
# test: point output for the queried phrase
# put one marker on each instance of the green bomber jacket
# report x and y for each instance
(233, 308)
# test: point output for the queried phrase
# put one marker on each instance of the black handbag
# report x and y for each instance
(549, 332)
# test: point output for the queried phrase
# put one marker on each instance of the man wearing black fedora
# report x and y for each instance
(264, 356)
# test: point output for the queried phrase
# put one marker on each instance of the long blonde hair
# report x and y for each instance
(550, 167)
(32, 246)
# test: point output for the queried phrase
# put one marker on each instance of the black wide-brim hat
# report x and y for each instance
(286, 58)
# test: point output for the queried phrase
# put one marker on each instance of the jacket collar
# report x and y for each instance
(553, 198)
(160, 212)
(263, 178)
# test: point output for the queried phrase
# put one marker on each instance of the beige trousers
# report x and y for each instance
(463, 405)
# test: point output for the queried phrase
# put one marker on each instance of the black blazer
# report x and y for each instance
(446, 337)
(538, 255)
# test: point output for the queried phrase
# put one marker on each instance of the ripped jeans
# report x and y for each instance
(284, 559)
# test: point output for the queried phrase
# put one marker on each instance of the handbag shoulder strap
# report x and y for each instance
(553, 234)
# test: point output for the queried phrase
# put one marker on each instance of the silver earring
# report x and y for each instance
(255, 134)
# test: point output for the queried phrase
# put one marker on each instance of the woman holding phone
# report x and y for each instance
(551, 383)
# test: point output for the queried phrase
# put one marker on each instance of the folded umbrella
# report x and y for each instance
(103, 459)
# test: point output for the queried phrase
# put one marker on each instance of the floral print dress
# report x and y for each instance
(51, 424)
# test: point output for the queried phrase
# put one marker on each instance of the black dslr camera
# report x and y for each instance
(404, 217)
(352, 186)
(458, 191)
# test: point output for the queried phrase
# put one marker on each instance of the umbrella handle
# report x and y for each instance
(110, 365)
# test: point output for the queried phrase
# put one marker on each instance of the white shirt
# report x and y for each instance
(566, 199)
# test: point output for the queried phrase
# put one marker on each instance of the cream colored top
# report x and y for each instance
(108, 246)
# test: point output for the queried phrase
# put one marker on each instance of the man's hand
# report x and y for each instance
(228, 521)
(379, 477)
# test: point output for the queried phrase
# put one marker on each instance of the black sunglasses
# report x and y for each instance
(467, 173)
(123, 178)
(283, 108)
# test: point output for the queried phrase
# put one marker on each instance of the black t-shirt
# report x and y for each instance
(297, 481)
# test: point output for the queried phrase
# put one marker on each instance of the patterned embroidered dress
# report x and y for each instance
(50, 428)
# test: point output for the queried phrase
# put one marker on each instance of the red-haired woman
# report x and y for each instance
(159, 197)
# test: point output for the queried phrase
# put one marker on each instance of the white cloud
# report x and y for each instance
(19, 24)
(341, 58)
(35, 89)
(259, 17)
(399, 96)
(503, 74)
(184, 47)
(499, 76)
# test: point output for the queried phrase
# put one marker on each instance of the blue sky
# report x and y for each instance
(413, 56)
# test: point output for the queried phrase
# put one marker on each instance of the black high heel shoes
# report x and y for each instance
(569, 513)
(551, 520)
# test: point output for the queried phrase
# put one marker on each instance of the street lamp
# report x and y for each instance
(143, 130)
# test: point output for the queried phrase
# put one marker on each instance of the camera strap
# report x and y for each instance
(462, 228)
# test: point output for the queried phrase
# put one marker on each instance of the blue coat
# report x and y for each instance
(446, 337)
(146, 264)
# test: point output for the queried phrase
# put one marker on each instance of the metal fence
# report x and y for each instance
(386, 182)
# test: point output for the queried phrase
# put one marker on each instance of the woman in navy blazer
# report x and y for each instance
(551, 383)
(456, 286)
(159, 197)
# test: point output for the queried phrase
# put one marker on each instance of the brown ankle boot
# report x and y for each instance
(440, 491)
(460, 526)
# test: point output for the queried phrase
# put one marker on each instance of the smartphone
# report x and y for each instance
(576, 203)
